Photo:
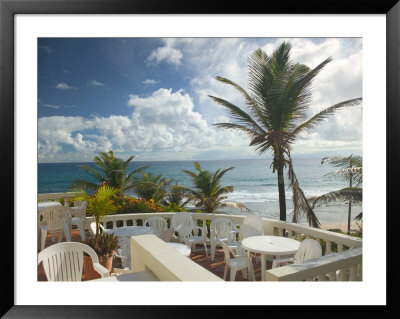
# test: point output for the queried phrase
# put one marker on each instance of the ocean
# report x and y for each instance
(253, 181)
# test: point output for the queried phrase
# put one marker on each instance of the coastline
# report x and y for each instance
(341, 226)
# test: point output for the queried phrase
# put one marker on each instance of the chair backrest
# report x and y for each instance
(227, 252)
(64, 261)
(54, 217)
(79, 210)
(159, 224)
(182, 222)
(220, 228)
(93, 228)
(308, 249)
(252, 226)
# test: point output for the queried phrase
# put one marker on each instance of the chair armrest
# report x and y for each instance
(101, 270)
(202, 229)
(276, 262)
(232, 235)
(212, 234)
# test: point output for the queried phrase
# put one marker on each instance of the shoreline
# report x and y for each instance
(341, 226)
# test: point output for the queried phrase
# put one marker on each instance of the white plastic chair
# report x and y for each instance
(308, 249)
(222, 230)
(252, 226)
(55, 220)
(93, 228)
(64, 261)
(184, 225)
(160, 226)
(78, 218)
(238, 262)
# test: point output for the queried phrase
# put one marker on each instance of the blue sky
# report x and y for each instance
(149, 96)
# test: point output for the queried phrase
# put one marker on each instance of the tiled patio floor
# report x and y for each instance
(198, 256)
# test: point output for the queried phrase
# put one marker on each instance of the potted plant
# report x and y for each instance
(105, 246)
(99, 205)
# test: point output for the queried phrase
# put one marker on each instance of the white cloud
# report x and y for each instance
(168, 54)
(171, 124)
(161, 124)
(340, 80)
(64, 86)
(65, 71)
(46, 48)
(52, 106)
(94, 83)
(150, 81)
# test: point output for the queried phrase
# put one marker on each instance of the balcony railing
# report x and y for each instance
(339, 248)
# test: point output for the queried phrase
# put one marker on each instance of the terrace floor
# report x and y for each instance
(198, 256)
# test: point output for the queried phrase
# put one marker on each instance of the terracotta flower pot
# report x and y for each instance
(106, 261)
(88, 271)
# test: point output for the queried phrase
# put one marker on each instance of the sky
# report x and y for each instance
(149, 97)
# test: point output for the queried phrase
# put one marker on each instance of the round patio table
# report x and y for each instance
(270, 245)
(124, 241)
(182, 248)
(128, 231)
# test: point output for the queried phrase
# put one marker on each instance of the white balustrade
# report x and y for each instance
(325, 268)
(271, 227)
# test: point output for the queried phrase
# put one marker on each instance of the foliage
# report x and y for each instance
(99, 204)
(208, 194)
(172, 207)
(112, 172)
(150, 187)
(278, 103)
(131, 205)
(350, 169)
(177, 196)
(103, 244)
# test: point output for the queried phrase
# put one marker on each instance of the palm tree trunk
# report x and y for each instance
(349, 214)
(282, 198)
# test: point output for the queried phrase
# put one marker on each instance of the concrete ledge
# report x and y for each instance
(315, 267)
(151, 253)
(134, 276)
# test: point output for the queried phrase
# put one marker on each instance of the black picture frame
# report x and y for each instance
(9, 8)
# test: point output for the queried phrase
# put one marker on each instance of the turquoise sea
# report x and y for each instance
(253, 181)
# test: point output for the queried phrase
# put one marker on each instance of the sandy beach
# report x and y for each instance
(341, 226)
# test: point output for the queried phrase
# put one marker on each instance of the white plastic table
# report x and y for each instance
(125, 234)
(128, 231)
(40, 206)
(182, 248)
(270, 245)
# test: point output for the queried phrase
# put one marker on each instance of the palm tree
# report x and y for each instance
(350, 168)
(99, 204)
(177, 195)
(112, 172)
(208, 193)
(280, 95)
(149, 186)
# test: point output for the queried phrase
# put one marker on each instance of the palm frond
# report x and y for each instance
(238, 115)
(359, 217)
(300, 202)
(251, 103)
(92, 172)
(352, 194)
(84, 184)
(324, 114)
(235, 205)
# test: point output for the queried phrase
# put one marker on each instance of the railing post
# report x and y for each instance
(353, 273)
(342, 275)
(328, 249)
